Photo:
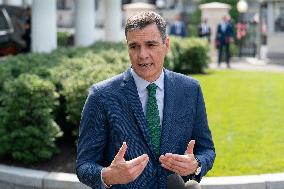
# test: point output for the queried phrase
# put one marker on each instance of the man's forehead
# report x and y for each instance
(144, 38)
(151, 32)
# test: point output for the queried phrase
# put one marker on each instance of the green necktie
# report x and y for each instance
(153, 118)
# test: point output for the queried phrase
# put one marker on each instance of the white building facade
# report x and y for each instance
(90, 20)
(272, 22)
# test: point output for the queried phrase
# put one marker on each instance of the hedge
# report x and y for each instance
(28, 130)
(42, 95)
(188, 55)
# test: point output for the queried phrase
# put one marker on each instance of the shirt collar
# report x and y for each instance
(142, 84)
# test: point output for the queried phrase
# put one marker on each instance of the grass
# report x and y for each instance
(246, 116)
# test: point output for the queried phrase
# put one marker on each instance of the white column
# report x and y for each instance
(1, 2)
(44, 33)
(85, 22)
(15, 2)
(270, 17)
(113, 20)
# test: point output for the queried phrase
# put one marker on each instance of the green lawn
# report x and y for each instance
(246, 116)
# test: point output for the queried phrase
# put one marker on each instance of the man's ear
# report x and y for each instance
(167, 43)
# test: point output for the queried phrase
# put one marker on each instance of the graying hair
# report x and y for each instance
(143, 19)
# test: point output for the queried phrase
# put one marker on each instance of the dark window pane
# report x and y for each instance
(3, 21)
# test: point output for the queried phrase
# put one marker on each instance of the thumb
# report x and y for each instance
(120, 154)
(190, 147)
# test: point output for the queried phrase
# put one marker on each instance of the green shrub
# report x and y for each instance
(64, 39)
(27, 128)
(188, 55)
(38, 92)
(234, 49)
(89, 69)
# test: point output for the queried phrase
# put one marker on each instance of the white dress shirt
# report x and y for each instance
(223, 26)
(204, 28)
(141, 85)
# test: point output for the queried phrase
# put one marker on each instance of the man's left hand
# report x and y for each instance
(181, 164)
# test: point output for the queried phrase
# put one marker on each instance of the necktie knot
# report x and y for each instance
(152, 89)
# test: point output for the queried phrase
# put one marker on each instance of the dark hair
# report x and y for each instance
(144, 19)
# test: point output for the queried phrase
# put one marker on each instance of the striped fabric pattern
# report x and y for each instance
(113, 114)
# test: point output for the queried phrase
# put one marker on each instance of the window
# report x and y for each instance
(279, 17)
(64, 4)
(3, 22)
(152, 1)
(126, 1)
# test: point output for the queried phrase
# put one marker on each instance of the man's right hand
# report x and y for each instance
(121, 171)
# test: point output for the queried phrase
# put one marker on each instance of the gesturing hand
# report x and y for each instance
(121, 171)
(181, 164)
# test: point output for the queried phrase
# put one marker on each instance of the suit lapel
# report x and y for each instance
(131, 93)
(168, 112)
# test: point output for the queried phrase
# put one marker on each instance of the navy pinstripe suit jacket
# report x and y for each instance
(113, 114)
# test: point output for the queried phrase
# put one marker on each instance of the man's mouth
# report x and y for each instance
(145, 65)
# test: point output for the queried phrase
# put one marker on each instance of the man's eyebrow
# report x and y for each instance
(146, 42)
(131, 43)
(155, 42)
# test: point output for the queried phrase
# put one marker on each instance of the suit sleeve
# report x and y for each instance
(204, 147)
(92, 141)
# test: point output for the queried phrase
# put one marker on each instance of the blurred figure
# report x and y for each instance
(224, 36)
(27, 34)
(204, 30)
(178, 27)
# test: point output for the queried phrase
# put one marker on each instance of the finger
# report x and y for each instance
(137, 170)
(177, 165)
(180, 163)
(136, 161)
(168, 157)
(170, 168)
(190, 147)
(162, 158)
(181, 158)
(176, 169)
(120, 154)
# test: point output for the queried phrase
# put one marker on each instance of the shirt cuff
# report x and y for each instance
(106, 186)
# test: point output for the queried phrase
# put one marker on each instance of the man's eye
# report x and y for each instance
(132, 47)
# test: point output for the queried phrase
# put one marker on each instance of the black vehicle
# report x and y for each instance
(12, 29)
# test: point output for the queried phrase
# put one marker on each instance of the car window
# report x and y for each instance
(3, 22)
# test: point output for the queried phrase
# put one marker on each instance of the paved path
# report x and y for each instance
(22, 178)
(252, 64)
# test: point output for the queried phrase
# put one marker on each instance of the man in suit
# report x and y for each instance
(146, 123)
(178, 27)
(204, 30)
(224, 36)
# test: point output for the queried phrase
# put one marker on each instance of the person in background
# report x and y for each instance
(178, 27)
(27, 34)
(204, 30)
(147, 123)
(224, 37)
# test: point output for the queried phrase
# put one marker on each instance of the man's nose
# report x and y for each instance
(143, 53)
